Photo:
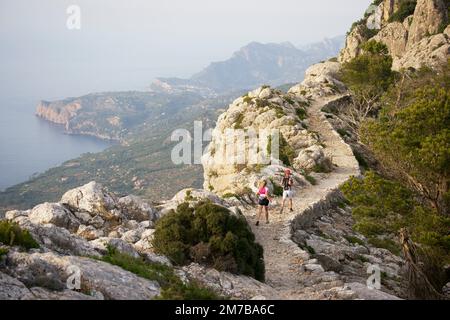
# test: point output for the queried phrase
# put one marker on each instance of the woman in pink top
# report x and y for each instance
(263, 201)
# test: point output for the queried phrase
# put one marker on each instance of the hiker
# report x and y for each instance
(287, 184)
(263, 201)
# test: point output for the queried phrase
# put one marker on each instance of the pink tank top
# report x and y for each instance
(263, 192)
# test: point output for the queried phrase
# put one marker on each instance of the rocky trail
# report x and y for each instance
(283, 258)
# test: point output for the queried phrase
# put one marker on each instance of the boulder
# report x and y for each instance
(12, 289)
(91, 198)
(134, 208)
(102, 244)
(54, 213)
(89, 233)
(310, 157)
(112, 282)
(60, 240)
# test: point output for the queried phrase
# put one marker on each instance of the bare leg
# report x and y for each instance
(267, 214)
(259, 213)
(282, 206)
(290, 202)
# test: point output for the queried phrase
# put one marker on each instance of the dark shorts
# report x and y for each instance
(264, 202)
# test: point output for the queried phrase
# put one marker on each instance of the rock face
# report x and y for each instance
(431, 51)
(428, 18)
(413, 43)
(352, 44)
(258, 112)
(395, 37)
(59, 115)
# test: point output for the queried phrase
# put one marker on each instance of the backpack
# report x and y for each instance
(286, 183)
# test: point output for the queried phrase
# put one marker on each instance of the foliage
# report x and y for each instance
(3, 252)
(287, 153)
(406, 8)
(239, 120)
(367, 76)
(301, 113)
(277, 189)
(11, 234)
(382, 207)
(172, 286)
(411, 137)
(211, 235)
(354, 240)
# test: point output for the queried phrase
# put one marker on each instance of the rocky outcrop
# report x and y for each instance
(59, 114)
(395, 37)
(431, 51)
(416, 42)
(51, 272)
(236, 168)
(353, 43)
(429, 17)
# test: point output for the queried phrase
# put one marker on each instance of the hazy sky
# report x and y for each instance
(124, 44)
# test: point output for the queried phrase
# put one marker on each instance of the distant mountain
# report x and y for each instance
(254, 65)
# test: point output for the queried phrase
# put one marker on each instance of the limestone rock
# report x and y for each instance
(54, 213)
(258, 112)
(429, 16)
(309, 157)
(235, 286)
(395, 37)
(39, 293)
(57, 239)
(363, 292)
(389, 8)
(132, 236)
(90, 198)
(375, 20)
(353, 44)
(432, 52)
(89, 233)
(12, 289)
(102, 244)
(134, 208)
(320, 81)
(111, 281)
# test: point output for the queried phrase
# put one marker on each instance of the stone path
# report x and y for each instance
(283, 258)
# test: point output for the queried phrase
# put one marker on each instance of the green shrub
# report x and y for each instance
(310, 179)
(261, 103)
(301, 113)
(277, 189)
(239, 120)
(406, 8)
(411, 136)
(387, 244)
(3, 252)
(382, 207)
(248, 99)
(209, 234)
(12, 235)
(343, 133)
(375, 47)
(172, 286)
(287, 153)
(354, 240)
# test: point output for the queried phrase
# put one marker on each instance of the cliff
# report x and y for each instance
(416, 32)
